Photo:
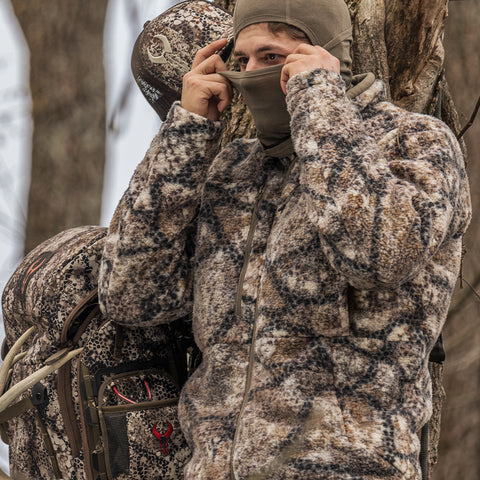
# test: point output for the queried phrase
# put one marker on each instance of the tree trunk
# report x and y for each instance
(402, 44)
(67, 86)
(460, 440)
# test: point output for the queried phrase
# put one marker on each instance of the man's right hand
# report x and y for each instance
(204, 91)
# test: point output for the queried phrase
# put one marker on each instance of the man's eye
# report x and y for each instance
(242, 61)
(272, 57)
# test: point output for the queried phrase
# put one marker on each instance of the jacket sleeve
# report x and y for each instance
(146, 271)
(385, 195)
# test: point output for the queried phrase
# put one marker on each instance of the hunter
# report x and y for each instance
(318, 260)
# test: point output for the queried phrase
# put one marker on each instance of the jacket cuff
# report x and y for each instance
(326, 79)
(193, 124)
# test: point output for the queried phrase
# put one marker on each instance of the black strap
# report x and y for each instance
(38, 398)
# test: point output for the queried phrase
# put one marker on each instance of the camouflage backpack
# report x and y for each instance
(83, 397)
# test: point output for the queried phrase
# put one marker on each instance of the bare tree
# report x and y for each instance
(67, 85)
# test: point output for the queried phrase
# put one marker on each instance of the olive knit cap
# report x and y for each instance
(325, 22)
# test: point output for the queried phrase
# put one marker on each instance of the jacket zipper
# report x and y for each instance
(238, 308)
(238, 312)
(251, 232)
(248, 251)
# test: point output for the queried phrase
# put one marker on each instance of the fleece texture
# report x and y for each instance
(318, 283)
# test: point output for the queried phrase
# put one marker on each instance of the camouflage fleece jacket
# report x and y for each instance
(318, 283)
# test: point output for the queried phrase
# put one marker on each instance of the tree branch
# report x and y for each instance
(470, 122)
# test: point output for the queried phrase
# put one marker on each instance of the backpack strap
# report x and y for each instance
(38, 400)
(73, 329)
(38, 397)
(54, 363)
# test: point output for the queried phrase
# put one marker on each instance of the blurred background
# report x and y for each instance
(459, 453)
(68, 96)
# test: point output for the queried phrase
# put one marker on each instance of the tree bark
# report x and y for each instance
(402, 44)
(460, 441)
(67, 86)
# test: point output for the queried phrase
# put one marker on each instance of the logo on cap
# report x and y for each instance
(166, 49)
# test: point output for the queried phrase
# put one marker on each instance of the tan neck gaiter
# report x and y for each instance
(265, 99)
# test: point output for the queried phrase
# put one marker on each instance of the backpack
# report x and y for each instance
(83, 397)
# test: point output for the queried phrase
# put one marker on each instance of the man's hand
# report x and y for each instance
(204, 91)
(307, 57)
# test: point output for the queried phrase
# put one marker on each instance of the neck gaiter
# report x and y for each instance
(265, 99)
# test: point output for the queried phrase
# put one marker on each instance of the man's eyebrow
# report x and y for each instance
(265, 48)
(238, 53)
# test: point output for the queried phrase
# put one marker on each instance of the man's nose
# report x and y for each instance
(252, 64)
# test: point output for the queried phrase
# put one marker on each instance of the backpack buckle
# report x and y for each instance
(39, 395)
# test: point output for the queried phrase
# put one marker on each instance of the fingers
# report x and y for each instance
(224, 95)
(314, 55)
(205, 92)
(211, 64)
(307, 57)
(308, 49)
(206, 87)
(208, 51)
(206, 95)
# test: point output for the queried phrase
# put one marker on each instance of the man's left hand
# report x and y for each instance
(307, 57)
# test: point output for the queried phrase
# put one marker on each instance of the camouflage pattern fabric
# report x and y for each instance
(166, 47)
(110, 413)
(135, 392)
(49, 283)
(318, 283)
